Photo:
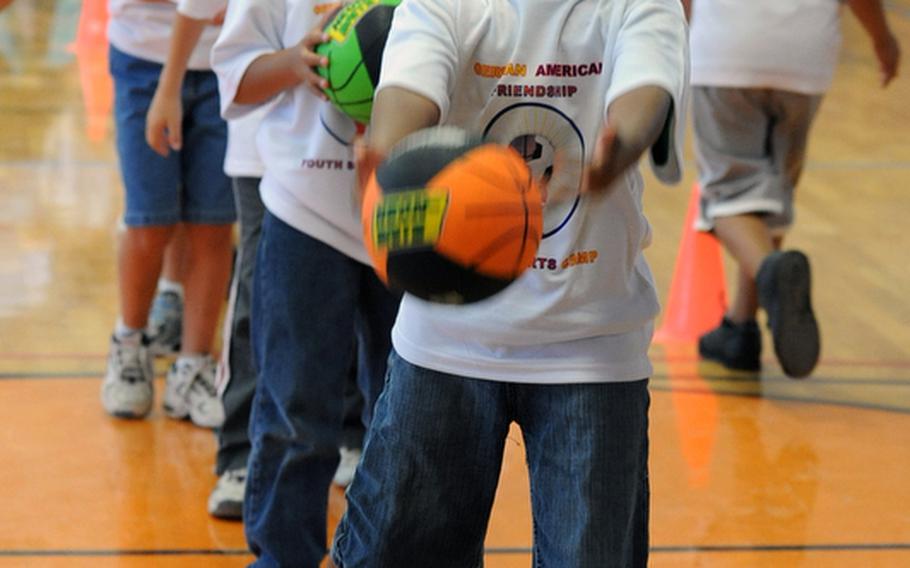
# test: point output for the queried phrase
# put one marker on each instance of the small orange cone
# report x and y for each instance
(91, 48)
(698, 294)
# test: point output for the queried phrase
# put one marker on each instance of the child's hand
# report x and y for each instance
(163, 123)
(888, 53)
(600, 171)
(305, 60)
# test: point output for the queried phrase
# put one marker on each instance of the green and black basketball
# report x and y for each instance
(357, 36)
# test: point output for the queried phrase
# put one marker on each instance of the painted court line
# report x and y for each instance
(676, 549)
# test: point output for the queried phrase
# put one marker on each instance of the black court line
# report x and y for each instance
(658, 383)
(845, 547)
(678, 377)
(684, 549)
(126, 552)
(783, 398)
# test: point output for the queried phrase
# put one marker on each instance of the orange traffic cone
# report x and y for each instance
(90, 48)
(698, 295)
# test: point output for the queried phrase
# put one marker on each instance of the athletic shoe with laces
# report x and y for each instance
(347, 465)
(190, 392)
(226, 499)
(165, 323)
(735, 346)
(127, 390)
(784, 284)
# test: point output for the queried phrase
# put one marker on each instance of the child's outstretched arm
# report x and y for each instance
(634, 122)
(163, 122)
(887, 50)
(397, 112)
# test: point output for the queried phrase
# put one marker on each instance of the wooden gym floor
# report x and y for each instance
(745, 471)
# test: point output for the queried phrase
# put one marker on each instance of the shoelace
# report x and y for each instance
(130, 367)
(207, 384)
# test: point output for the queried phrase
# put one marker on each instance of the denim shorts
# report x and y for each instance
(189, 185)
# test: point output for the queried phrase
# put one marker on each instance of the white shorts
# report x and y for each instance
(751, 146)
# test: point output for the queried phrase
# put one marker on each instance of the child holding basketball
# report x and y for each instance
(759, 71)
(185, 187)
(563, 350)
(312, 285)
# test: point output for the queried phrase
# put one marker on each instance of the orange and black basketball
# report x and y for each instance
(450, 218)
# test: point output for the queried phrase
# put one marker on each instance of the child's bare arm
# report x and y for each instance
(634, 122)
(163, 122)
(396, 113)
(887, 50)
(275, 72)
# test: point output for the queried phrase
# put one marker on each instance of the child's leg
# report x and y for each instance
(587, 451)
(424, 488)
(209, 250)
(175, 257)
(748, 240)
(152, 209)
(304, 298)
(140, 260)
(165, 321)
(208, 213)
(226, 499)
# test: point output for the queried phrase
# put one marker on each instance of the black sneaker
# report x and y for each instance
(784, 286)
(735, 346)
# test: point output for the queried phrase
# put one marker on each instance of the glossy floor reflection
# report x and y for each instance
(747, 471)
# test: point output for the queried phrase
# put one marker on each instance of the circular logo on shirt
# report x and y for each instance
(553, 147)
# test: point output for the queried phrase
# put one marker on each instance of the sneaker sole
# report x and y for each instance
(796, 338)
(172, 413)
(228, 510)
(127, 415)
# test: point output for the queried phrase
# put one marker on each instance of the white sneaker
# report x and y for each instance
(165, 323)
(226, 499)
(127, 390)
(350, 457)
(190, 392)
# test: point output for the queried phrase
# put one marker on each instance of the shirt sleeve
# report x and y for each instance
(200, 9)
(251, 29)
(652, 49)
(421, 52)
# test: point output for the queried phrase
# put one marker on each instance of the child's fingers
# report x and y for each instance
(308, 48)
(596, 174)
(175, 133)
(156, 138)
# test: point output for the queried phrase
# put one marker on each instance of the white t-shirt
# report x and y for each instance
(778, 44)
(143, 30)
(303, 141)
(547, 68)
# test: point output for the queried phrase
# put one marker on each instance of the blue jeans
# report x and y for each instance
(425, 485)
(189, 185)
(309, 303)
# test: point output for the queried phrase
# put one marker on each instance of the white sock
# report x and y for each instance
(165, 285)
(126, 334)
(197, 360)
